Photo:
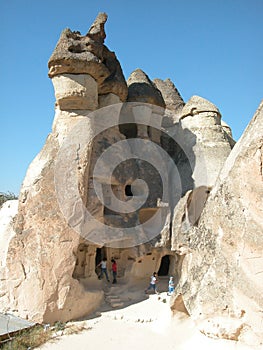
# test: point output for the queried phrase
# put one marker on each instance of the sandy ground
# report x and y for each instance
(143, 322)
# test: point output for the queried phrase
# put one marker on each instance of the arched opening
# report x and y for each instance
(128, 191)
(100, 254)
(129, 130)
(164, 266)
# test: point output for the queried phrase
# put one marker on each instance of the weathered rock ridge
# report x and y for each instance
(164, 200)
(221, 280)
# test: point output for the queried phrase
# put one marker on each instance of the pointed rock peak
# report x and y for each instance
(142, 89)
(139, 76)
(171, 95)
(198, 104)
(97, 31)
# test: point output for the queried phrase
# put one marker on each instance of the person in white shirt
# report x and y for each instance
(103, 266)
(153, 283)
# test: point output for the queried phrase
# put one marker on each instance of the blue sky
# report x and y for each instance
(210, 48)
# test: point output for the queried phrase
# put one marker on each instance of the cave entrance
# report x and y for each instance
(129, 130)
(164, 266)
(128, 191)
(100, 254)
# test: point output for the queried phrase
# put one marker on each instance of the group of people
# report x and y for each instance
(103, 267)
(153, 281)
(153, 284)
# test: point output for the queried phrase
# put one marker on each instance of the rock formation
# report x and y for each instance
(142, 89)
(171, 95)
(221, 283)
(86, 59)
(125, 173)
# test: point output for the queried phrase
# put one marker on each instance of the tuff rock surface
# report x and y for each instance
(221, 283)
(172, 98)
(174, 152)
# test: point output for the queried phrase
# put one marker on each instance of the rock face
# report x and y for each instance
(210, 142)
(49, 272)
(8, 212)
(221, 282)
(86, 58)
(127, 173)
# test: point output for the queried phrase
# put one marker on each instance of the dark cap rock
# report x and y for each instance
(142, 89)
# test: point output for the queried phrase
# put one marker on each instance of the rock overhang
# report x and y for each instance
(87, 54)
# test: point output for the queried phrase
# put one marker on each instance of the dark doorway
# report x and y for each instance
(128, 191)
(164, 267)
(99, 256)
(129, 130)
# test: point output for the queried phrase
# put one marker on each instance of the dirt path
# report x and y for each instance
(139, 322)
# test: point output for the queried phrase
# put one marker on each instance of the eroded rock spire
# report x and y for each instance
(86, 54)
(171, 95)
(97, 31)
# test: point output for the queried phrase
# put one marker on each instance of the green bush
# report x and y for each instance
(28, 339)
(6, 197)
(39, 334)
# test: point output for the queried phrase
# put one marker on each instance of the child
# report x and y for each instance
(152, 283)
(170, 286)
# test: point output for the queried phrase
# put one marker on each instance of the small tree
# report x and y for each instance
(6, 197)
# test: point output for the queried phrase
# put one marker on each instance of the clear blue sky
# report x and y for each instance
(210, 48)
